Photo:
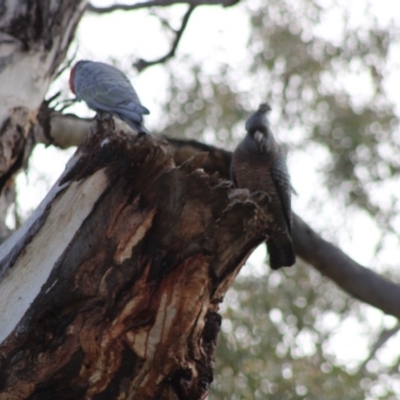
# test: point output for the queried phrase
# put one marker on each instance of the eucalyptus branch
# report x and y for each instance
(157, 3)
(142, 64)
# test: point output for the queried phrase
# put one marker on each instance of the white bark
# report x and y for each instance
(24, 83)
(70, 205)
(34, 39)
(25, 74)
(112, 288)
(67, 130)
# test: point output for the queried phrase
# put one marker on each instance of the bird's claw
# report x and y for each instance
(103, 116)
(260, 196)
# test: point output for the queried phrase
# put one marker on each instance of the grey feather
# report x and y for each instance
(105, 88)
(258, 164)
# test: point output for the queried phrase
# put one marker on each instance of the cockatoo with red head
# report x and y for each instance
(105, 88)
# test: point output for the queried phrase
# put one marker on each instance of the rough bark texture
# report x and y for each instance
(35, 36)
(111, 289)
(353, 278)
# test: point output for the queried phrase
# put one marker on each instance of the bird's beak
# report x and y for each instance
(258, 137)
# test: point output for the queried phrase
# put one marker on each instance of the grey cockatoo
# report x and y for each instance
(258, 164)
(105, 88)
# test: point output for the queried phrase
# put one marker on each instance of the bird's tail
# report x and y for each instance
(143, 130)
(280, 256)
(136, 126)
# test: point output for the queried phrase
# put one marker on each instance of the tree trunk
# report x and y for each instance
(111, 289)
(35, 36)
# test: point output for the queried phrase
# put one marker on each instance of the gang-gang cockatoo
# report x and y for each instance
(258, 164)
(105, 88)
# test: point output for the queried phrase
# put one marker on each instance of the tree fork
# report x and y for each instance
(111, 289)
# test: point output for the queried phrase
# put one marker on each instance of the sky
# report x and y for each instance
(132, 35)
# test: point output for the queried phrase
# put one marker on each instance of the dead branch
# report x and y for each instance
(158, 3)
(355, 279)
(360, 282)
(111, 288)
(384, 336)
(142, 64)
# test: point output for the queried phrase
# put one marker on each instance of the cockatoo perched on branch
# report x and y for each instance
(258, 164)
(105, 88)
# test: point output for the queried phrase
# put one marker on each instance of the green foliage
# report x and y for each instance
(196, 106)
(274, 343)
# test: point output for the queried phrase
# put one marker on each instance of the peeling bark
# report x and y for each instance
(35, 36)
(358, 281)
(111, 289)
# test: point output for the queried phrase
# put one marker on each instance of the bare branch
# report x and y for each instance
(142, 64)
(385, 335)
(158, 3)
(360, 282)
(67, 64)
(163, 20)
